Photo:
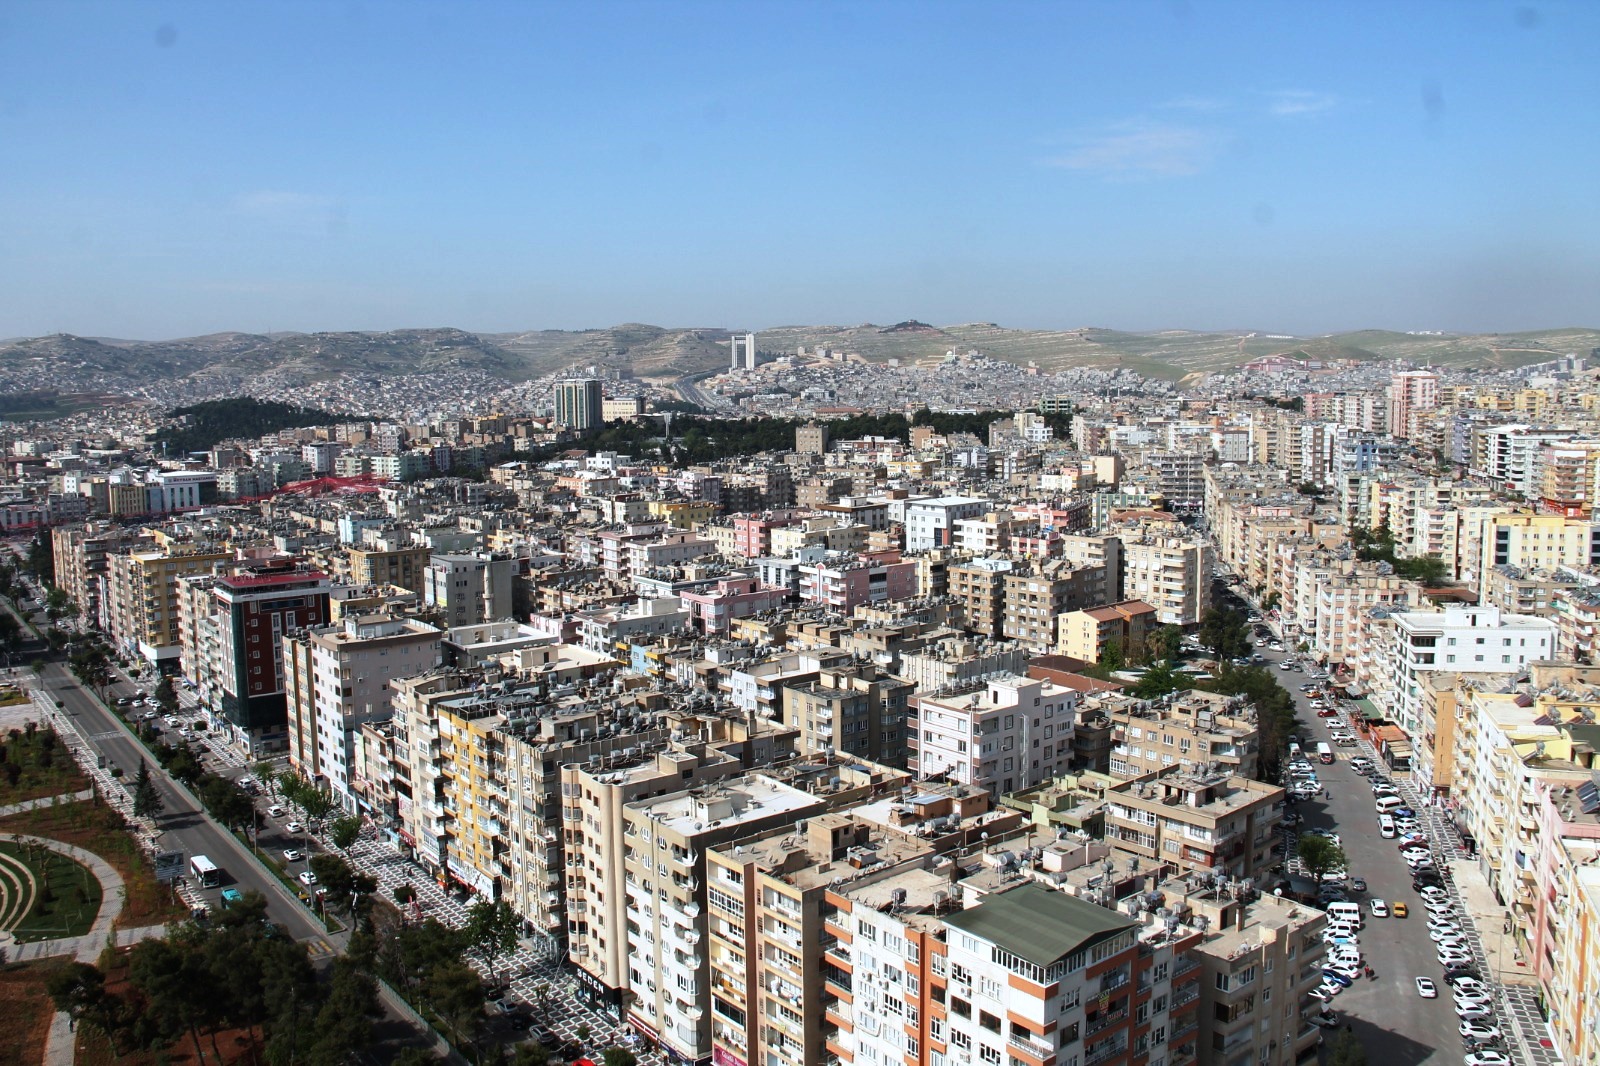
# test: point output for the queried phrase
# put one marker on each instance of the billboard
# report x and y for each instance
(170, 866)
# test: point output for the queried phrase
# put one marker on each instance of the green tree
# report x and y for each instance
(457, 994)
(147, 801)
(1225, 632)
(344, 832)
(78, 990)
(343, 1022)
(41, 560)
(1111, 655)
(1319, 854)
(531, 1053)
(166, 696)
(1167, 642)
(227, 802)
(492, 927)
(1159, 679)
(619, 1056)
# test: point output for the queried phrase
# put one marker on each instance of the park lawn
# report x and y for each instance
(67, 897)
(27, 1010)
(97, 828)
(41, 767)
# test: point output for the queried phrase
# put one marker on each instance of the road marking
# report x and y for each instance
(318, 947)
(102, 736)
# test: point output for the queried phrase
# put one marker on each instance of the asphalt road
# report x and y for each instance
(1396, 1025)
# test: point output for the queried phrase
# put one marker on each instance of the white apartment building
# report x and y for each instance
(337, 678)
(469, 588)
(931, 523)
(1463, 639)
(1007, 734)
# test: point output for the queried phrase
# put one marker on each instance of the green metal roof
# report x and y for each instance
(1039, 924)
(1369, 711)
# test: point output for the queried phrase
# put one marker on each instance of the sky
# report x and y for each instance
(171, 169)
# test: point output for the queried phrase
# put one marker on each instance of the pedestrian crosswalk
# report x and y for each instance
(318, 948)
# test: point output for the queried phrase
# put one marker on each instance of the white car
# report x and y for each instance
(1326, 834)
(1343, 969)
(1444, 932)
(292, 855)
(1469, 985)
(1475, 1000)
(1480, 1033)
(294, 827)
(1436, 905)
(1331, 988)
(275, 811)
(1380, 908)
(1487, 1057)
(1427, 989)
(308, 878)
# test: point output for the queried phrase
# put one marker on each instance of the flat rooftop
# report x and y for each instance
(1040, 925)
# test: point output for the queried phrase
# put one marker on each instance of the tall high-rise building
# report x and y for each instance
(578, 404)
(1410, 390)
(742, 351)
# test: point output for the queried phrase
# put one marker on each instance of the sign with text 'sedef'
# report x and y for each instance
(169, 865)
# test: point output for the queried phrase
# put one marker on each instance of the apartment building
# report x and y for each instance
(1459, 638)
(843, 584)
(1260, 958)
(403, 566)
(469, 588)
(1192, 730)
(1539, 542)
(1086, 635)
(855, 711)
(1032, 603)
(1196, 820)
(977, 590)
(337, 679)
(1409, 391)
(233, 627)
(142, 596)
(1172, 574)
(1001, 735)
(931, 523)
(82, 555)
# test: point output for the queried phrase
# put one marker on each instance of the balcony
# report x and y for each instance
(1036, 1048)
(1105, 1020)
(1186, 995)
(1105, 1052)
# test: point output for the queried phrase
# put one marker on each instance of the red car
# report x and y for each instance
(1327, 712)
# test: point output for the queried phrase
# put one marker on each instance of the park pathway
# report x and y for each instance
(60, 1048)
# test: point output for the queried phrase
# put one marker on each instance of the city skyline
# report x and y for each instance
(520, 167)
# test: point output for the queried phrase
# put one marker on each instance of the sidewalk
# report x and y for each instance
(45, 801)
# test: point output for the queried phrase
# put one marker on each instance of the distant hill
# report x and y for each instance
(217, 362)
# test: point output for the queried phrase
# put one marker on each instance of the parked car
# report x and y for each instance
(1486, 1057)
(307, 877)
(275, 811)
(294, 827)
(1479, 1032)
(1427, 989)
(292, 855)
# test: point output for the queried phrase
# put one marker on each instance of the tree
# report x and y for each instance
(531, 1053)
(492, 929)
(1225, 632)
(1319, 854)
(344, 832)
(1167, 642)
(147, 801)
(1345, 1050)
(227, 802)
(457, 993)
(1159, 679)
(165, 695)
(78, 990)
(619, 1056)
(1111, 655)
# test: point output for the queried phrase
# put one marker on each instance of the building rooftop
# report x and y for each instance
(1040, 925)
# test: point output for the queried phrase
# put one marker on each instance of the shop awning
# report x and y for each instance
(1369, 711)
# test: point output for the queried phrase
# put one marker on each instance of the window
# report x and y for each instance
(960, 1039)
(989, 1054)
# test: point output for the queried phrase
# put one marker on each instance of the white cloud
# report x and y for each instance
(1144, 149)
(1288, 102)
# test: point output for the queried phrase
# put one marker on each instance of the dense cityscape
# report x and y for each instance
(842, 721)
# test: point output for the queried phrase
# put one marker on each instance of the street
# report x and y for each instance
(1394, 1022)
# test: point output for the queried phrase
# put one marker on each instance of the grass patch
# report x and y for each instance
(34, 763)
(95, 827)
(66, 894)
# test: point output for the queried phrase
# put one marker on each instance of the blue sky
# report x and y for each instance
(171, 169)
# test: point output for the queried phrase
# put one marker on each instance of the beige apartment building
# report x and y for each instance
(1085, 635)
(406, 567)
(1192, 730)
(82, 560)
(1196, 820)
(1172, 574)
(142, 596)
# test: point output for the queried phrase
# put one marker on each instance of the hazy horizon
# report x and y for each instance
(179, 169)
